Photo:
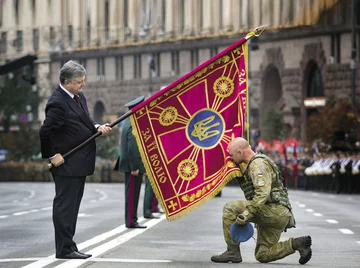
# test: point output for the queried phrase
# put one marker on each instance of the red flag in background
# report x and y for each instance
(285, 165)
(295, 167)
(184, 129)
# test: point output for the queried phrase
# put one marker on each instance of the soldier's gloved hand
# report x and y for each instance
(240, 220)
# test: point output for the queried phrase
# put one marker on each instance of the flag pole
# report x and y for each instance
(255, 33)
(97, 134)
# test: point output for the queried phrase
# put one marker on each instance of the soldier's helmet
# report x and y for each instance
(134, 102)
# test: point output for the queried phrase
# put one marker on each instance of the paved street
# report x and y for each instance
(27, 236)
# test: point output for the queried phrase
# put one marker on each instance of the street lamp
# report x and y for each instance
(353, 54)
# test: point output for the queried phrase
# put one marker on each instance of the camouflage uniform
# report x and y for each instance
(267, 205)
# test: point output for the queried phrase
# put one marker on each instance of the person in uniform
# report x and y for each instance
(150, 201)
(131, 164)
(267, 205)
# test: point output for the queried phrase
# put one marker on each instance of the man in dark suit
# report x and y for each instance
(68, 124)
(131, 164)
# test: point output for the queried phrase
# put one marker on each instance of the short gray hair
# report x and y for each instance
(71, 70)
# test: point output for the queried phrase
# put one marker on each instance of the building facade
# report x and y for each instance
(136, 47)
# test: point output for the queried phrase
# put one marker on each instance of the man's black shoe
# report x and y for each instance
(74, 255)
(136, 225)
(89, 255)
(151, 216)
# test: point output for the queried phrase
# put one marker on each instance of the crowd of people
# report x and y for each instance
(337, 172)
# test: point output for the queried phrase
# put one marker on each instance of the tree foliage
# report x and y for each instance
(337, 124)
(275, 127)
(15, 95)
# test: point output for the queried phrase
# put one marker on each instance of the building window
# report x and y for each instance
(137, 66)
(16, 7)
(213, 51)
(335, 48)
(182, 16)
(175, 63)
(36, 39)
(19, 41)
(99, 111)
(221, 22)
(82, 62)
(126, 10)
(194, 58)
(70, 35)
(3, 42)
(101, 69)
(119, 68)
(88, 32)
(107, 32)
(162, 14)
(315, 85)
(1, 13)
(157, 64)
(52, 37)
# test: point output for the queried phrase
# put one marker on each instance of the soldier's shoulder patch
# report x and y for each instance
(260, 182)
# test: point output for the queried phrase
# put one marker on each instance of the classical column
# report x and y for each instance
(43, 24)
(217, 12)
(75, 21)
(169, 19)
(25, 25)
(133, 19)
(207, 17)
(121, 30)
(189, 23)
(230, 12)
(245, 11)
(9, 25)
(256, 13)
(277, 21)
(114, 19)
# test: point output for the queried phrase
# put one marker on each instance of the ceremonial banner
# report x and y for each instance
(184, 129)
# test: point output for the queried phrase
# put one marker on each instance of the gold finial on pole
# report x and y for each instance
(256, 32)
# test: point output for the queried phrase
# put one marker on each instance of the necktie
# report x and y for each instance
(77, 99)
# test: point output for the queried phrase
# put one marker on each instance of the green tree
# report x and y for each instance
(107, 147)
(337, 124)
(275, 127)
(16, 95)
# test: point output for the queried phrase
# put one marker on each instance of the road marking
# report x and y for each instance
(346, 231)
(110, 245)
(25, 212)
(358, 242)
(332, 221)
(302, 205)
(20, 259)
(21, 213)
(95, 240)
(318, 214)
(309, 210)
(83, 215)
(129, 260)
(92, 260)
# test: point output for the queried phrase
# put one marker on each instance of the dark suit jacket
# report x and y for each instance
(130, 158)
(66, 126)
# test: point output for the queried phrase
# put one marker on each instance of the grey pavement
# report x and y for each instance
(27, 240)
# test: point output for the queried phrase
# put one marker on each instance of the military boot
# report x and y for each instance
(231, 255)
(303, 245)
